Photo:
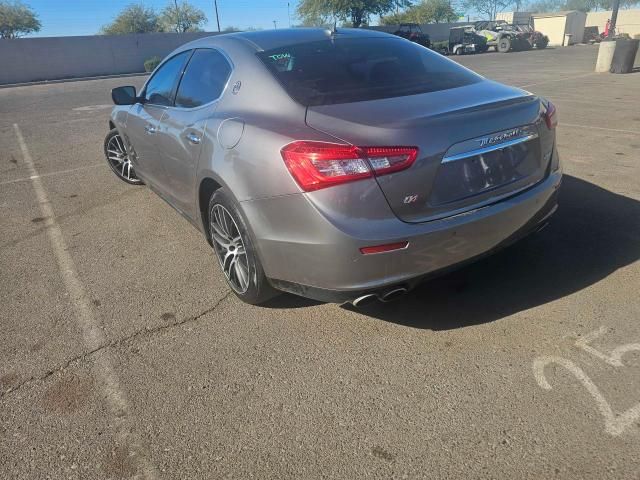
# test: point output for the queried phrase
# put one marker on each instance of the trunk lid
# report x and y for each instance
(478, 143)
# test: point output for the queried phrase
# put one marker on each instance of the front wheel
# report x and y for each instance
(542, 43)
(119, 158)
(235, 251)
(504, 45)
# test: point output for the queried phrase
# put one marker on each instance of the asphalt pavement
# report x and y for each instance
(124, 355)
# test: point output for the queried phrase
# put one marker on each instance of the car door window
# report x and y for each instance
(159, 90)
(204, 79)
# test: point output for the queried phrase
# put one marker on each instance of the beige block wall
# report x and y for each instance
(628, 20)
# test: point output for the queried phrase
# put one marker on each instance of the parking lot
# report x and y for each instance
(124, 354)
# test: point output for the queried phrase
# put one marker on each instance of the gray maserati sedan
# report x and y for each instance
(343, 166)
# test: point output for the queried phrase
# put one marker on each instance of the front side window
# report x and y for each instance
(204, 79)
(343, 70)
(159, 90)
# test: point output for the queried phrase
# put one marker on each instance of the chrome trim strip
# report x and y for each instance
(490, 148)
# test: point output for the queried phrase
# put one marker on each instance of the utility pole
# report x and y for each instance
(614, 18)
(289, 14)
(178, 19)
(215, 4)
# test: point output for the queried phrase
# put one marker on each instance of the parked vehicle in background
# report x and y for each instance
(506, 37)
(413, 32)
(343, 165)
(533, 37)
(463, 40)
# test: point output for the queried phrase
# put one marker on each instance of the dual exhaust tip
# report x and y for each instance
(387, 296)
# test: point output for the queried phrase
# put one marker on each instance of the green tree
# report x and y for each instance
(17, 19)
(581, 5)
(608, 4)
(489, 8)
(439, 11)
(543, 6)
(135, 18)
(357, 12)
(427, 11)
(182, 17)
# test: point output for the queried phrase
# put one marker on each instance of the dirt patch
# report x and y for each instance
(36, 347)
(8, 380)
(119, 464)
(68, 394)
(383, 454)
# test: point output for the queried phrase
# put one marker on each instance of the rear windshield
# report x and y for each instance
(343, 70)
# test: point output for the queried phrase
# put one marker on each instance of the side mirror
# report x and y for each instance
(124, 95)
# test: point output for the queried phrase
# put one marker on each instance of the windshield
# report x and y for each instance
(342, 70)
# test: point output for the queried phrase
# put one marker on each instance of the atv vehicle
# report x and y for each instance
(413, 32)
(465, 40)
(534, 38)
(505, 37)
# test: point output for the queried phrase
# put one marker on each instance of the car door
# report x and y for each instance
(182, 127)
(143, 121)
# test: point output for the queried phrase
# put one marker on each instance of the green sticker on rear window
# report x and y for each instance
(280, 56)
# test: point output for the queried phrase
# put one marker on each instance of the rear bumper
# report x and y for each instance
(305, 253)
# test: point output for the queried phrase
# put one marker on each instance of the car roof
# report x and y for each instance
(270, 39)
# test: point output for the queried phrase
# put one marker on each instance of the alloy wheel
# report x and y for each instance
(120, 160)
(230, 248)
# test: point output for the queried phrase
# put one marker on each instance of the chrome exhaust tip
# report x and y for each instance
(367, 299)
(393, 294)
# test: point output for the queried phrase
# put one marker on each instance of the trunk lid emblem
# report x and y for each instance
(500, 138)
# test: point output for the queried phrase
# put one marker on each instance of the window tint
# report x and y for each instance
(160, 87)
(204, 79)
(342, 70)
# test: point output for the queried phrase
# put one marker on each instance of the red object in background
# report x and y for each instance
(606, 28)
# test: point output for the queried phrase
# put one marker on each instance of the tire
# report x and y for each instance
(504, 45)
(230, 238)
(542, 43)
(118, 158)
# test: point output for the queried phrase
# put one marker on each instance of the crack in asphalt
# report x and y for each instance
(116, 343)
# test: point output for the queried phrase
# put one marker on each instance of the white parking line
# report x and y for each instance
(59, 172)
(93, 335)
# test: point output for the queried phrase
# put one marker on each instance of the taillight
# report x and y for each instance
(551, 116)
(316, 165)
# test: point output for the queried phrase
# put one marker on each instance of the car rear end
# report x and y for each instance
(425, 166)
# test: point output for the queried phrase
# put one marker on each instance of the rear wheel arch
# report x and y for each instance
(207, 187)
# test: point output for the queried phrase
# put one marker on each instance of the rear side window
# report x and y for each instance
(204, 79)
(343, 70)
(159, 90)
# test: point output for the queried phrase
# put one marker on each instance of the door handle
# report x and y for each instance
(150, 129)
(193, 138)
